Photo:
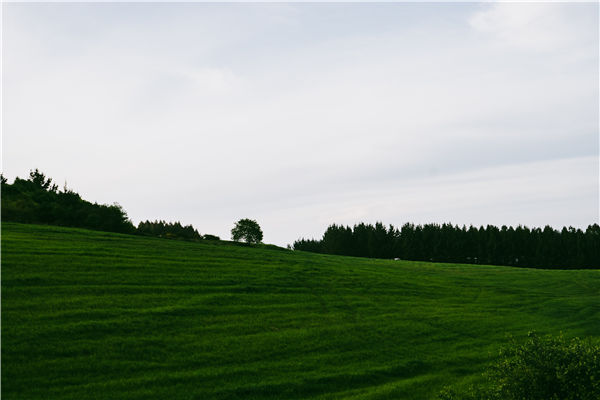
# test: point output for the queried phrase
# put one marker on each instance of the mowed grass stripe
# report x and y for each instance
(97, 315)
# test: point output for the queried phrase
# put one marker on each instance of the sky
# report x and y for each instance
(304, 115)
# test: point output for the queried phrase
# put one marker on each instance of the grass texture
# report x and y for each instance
(94, 315)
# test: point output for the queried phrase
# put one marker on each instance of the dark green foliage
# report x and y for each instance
(520, 246)
(96, 315)
(40, 180)
(168, 230)
(311, 245)
(210, 237)
(247, 230)
(38, 200)
(541, 368)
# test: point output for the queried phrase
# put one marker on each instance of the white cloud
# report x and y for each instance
(525, 194)
(308, 114)
(212, 81)
(537, 26)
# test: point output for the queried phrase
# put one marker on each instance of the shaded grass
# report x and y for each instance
(90, 314)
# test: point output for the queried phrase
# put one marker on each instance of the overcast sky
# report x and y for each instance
(302, 115)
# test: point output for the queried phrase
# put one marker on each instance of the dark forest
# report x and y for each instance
(37, 200)
(546, 247)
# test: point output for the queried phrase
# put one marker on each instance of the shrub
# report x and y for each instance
(210, 237)
(541, 368)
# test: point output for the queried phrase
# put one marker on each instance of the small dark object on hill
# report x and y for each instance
(542, 368)
(210, 237)
(247, 230)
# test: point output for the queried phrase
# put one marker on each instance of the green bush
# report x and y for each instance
(541, 368)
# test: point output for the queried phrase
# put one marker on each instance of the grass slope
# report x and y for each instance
(106, 316)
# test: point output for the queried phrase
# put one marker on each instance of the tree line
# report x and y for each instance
(568, 248)
(37, 200)
(172, 230)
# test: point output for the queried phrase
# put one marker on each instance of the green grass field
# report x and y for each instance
(93, 315)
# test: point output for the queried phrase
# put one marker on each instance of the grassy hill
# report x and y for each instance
(89, 314)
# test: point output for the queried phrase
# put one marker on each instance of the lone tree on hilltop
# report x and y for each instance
(247, 230)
